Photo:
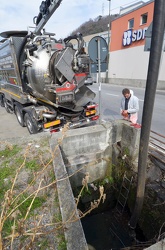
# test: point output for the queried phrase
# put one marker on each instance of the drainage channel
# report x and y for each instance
(110, 231)
(104, 231)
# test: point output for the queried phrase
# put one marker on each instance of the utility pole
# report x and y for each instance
(109, 19)
(151, 84)
(109, 23)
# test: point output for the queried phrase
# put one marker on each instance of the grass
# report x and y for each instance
(62, 243)
(38, 202)
(25, 209)
(10, 151)
(5, 180)
(32, 165)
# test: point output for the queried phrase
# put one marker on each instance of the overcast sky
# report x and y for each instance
(18, 14)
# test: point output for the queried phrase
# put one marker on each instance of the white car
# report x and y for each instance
(89, 80)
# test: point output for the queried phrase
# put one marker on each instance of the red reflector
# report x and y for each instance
(95, 118)
(54, 130)
(92, 106)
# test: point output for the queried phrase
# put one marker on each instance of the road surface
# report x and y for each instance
(110, 110)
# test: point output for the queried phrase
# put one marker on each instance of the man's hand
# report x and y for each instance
(124, 113)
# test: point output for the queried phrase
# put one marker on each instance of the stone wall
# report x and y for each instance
(95, 149)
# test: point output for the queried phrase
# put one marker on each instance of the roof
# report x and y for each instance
(133, 7)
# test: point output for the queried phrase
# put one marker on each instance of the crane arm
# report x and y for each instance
(47, 8)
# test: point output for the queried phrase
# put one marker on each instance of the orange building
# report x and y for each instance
(128, 61)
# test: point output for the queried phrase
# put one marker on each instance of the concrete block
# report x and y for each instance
(74, 234)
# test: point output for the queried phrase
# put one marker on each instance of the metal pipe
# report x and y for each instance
(99, 76)
(151, 84)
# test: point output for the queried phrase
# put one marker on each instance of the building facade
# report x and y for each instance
(128, 64)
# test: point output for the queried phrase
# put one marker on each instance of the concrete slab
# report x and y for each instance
(74, 234)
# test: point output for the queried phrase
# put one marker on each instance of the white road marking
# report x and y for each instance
(112, 94)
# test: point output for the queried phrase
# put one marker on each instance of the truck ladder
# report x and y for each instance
(123, 194)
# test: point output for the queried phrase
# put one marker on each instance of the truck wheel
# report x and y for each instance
(2, 101)
(6, 105)
(19, 115)
(31, 124)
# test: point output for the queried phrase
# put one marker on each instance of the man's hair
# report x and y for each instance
(125, 91)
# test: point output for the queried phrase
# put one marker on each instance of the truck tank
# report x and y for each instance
(42, 79)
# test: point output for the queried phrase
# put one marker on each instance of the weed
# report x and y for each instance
(5, 173)
(38, 202)
(62, 242)
(7, 227)
(32, 165)
(43, 244)
(10, 151)
(58, 217)
(106, 180)
(5, 180)
(19, 161)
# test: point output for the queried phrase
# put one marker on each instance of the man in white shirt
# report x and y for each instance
(129, 106)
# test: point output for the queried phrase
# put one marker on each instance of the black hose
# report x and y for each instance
(79, 39)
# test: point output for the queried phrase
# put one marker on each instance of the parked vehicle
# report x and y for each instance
(42, 80)
(89, 80)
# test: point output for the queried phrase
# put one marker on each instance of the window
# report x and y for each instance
(144, 18)
(131, 23)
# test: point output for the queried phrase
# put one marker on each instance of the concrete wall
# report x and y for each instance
(93, 149)
(129, 67)
(90, 149)
(129, 63)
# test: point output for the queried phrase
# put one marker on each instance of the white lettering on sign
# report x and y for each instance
(130, 36)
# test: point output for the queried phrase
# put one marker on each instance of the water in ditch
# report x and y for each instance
(108, 231)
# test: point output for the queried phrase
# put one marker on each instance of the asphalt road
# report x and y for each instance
(110, 110)
(110, 104)
(9, 126)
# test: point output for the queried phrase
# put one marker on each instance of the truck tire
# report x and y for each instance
(19, 115)
(2, 101)
(6, 105)
(30, 124)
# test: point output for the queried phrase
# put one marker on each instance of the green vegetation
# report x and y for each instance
(10, 151)
(38, 202)
(32, 165)
(96, 25)
(62, 245)
(5, 178)
(29, 204)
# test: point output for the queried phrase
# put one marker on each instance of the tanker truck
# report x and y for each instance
(42, 80)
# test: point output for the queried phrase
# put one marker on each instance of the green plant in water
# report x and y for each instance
(85, 192)
(106, 180)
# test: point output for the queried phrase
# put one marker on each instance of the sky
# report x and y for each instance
(18, 14)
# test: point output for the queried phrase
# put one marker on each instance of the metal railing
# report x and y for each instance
(157, 146)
